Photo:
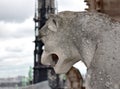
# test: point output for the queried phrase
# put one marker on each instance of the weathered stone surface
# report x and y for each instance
(91, 37)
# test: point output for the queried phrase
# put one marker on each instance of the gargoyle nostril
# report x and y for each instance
(55, 58)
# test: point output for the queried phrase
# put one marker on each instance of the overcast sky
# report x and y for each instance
(17, 33)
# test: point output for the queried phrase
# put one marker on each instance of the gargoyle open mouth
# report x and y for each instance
(55, 59)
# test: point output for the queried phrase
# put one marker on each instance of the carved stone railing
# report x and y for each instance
(110, 7)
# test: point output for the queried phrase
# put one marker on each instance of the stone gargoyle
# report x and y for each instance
(91, 37)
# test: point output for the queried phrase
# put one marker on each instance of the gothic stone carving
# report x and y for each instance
(93, 38)
(74, 79)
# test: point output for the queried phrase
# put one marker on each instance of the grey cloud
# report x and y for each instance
(23, 30)
(12, 52)
(13, 55)
(16, 10)
(14, 67)
(19, 33)
(13, 49)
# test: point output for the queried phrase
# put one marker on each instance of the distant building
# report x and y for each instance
(11, 82)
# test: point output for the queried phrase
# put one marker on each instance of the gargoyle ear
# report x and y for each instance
(53, 25)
